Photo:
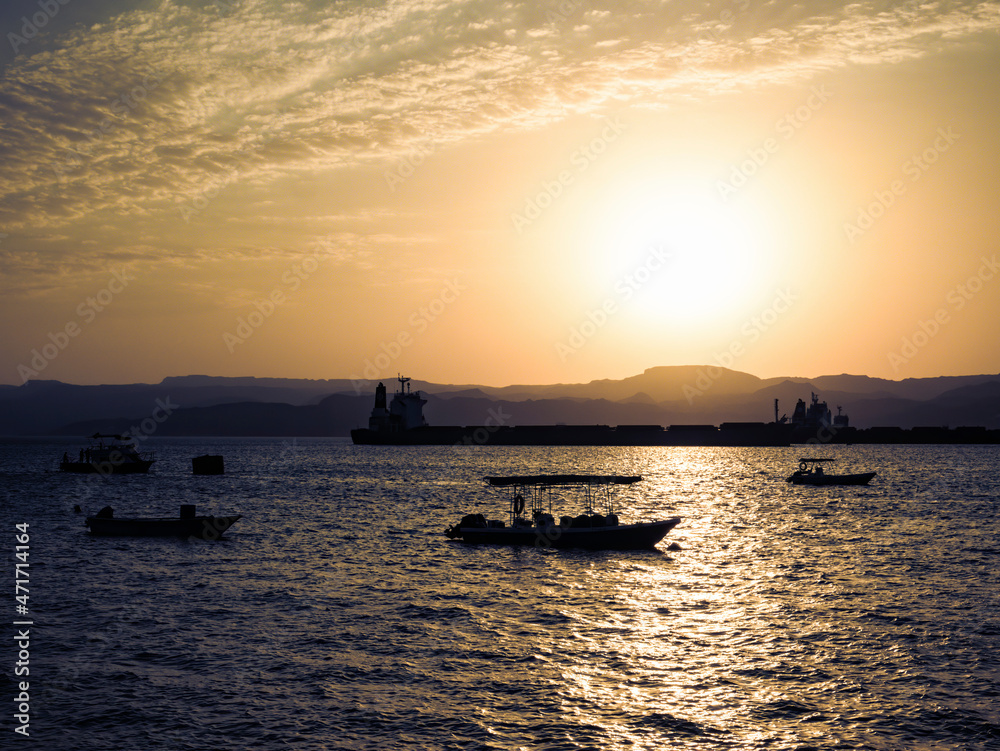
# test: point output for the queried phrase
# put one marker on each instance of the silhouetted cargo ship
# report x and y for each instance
(815, 424)
(401, 423)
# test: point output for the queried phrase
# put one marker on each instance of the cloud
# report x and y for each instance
(150, 111)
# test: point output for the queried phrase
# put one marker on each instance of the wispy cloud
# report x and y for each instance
(135, 117)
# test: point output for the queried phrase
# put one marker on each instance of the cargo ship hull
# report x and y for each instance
(739, 434)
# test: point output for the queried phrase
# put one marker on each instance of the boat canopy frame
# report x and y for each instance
(113, 451)
(533, 493)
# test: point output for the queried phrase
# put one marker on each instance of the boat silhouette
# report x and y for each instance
(531, 521)
(810, 472)
(117, 457)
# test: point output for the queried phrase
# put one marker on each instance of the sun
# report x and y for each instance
(676, 254)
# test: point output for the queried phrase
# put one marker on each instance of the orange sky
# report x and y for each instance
(531, 193)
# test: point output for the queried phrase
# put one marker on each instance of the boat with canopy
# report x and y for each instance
(117, 456)
(531, 519)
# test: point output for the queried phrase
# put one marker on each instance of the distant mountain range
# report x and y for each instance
(208, 405)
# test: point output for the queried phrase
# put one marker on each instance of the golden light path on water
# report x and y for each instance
(655, 649)
(688, 641)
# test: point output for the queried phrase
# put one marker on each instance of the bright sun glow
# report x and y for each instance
(676, 255)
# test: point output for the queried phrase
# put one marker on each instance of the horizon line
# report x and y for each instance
(706, 367)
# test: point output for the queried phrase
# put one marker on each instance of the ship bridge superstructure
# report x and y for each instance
(404, 412)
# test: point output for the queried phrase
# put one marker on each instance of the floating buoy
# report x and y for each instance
(208, 465)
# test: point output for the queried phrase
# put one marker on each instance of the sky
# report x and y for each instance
(497, 192)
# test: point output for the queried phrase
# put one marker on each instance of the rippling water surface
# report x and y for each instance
(336, 615)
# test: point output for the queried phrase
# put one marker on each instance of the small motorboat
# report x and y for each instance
(104, 523)
(810, 472)
(531, 521)
(119, 456)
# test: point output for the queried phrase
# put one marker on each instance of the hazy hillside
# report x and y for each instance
(334, 415)
(661, 384)
(40, 407)
(207, 405)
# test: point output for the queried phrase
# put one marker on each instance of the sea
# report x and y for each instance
(337, 615)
